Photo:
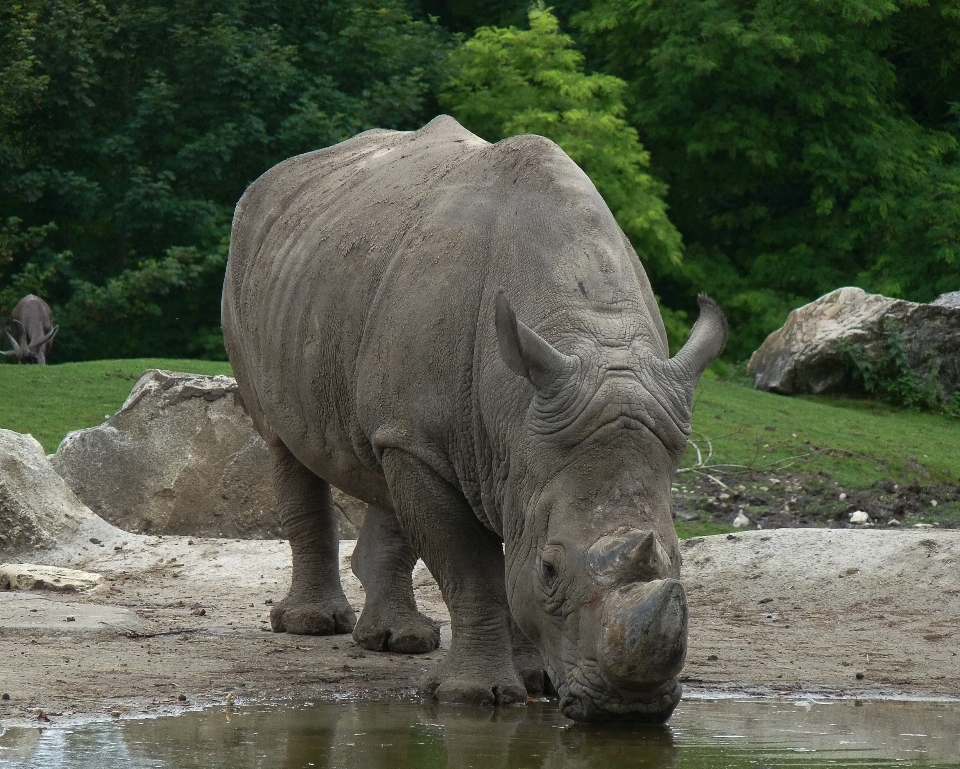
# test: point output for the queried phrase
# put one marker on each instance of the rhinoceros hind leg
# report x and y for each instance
(466, 559)
(383, 561)
(315, 604)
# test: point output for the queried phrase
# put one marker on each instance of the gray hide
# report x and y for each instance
(32, 330)
(459, 334)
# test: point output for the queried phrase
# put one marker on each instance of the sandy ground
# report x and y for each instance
(785, 612)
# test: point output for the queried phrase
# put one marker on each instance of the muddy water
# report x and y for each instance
(702, 733)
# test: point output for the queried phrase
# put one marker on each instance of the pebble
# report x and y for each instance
(741, 520)
(859, 517)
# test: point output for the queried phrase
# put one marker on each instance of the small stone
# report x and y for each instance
(893, 522)
(199, 612)
(859, 517)
(765, 600)
(843, 496)
(4, 696)
(723, 496)
(923, 525)
(933, 503)
(712, 658)
(115, 713)
(770, 428)
(859, 676)
(741, 520)
(182, 697)
(268, 602)
(70, 619)
(94, 541)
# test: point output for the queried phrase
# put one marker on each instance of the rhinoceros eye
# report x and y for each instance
(550, 561)
(549, 571)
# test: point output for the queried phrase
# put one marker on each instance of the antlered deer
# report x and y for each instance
(33, 330)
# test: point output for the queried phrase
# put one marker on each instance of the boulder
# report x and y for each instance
(806, 354)
(181, 456)
(38, 511)
(951, 300)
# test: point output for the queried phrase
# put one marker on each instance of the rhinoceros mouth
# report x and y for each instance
(655, 705)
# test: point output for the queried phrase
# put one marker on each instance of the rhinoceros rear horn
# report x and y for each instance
(525, 352)
(707, 340)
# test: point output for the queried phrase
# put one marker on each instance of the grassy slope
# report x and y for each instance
(50, 401)
(855, 442)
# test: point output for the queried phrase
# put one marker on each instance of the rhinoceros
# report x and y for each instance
(459, 334)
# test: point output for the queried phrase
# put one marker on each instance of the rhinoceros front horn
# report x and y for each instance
(525, 351)
(644, 638)
(707, 340)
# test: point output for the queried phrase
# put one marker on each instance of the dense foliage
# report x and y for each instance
(807, 144)
(131, 127)
(763, 152)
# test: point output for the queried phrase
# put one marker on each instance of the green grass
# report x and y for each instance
(50, 401)
(854, 442)
(687, 530)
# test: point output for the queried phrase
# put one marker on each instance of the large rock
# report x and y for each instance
(181, 456)
(805, 355)
(38, 511)
(31, 576)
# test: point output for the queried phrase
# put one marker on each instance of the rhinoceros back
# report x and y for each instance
(361, 278)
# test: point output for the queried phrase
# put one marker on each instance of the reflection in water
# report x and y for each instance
(373, 735)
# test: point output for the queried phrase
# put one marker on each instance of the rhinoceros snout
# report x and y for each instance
(643, 642)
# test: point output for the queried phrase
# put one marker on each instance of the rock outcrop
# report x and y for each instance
(30, 576)
(38, 511)
(806, 354)
(181, 456)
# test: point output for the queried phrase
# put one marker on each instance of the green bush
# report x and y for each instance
(891, 376)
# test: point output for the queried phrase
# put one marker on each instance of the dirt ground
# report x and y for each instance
(789, 500)
(181, 623)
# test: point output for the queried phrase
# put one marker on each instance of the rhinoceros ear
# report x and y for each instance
(525, 352)
(706, 342)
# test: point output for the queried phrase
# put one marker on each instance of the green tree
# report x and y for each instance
(507, 81)
(131, 128)
(795, 164)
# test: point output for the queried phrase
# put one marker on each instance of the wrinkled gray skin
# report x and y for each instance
(33, 330)
(459, 334)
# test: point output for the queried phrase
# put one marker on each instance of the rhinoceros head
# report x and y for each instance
(593, 562)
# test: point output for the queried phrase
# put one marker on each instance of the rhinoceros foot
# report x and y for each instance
(398, 630)
(454, 684)
(312, 618)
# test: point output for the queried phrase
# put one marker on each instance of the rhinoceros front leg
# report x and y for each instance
(466, 559)
(383, 561)
(315, 604)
